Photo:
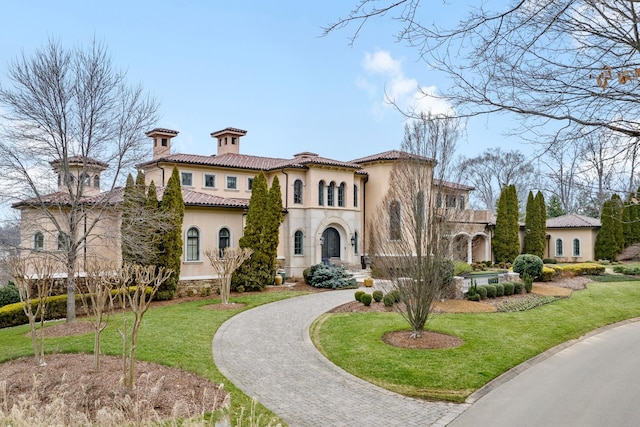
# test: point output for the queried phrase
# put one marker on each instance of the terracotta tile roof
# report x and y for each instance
(391, 155)
(114, 197)
(75, 160)
(229, 130)
(162, 130)
(573, 221)
(452, 185)
(243, 161)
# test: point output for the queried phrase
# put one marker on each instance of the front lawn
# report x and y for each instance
(178, 335)
(493, 342)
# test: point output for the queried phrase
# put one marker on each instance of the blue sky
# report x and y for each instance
(258, 66)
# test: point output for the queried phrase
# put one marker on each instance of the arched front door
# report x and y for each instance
(331, 244)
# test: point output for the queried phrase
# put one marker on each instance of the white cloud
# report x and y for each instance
(400, 90)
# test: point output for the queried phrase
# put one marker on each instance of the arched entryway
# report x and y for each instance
(330, 244)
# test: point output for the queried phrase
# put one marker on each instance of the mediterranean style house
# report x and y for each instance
(328, 206)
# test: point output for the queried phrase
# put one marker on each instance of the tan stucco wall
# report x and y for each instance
(587, 237)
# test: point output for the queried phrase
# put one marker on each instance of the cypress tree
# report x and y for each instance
(635, 217)
(607, 245)
(274, 209)
(506, 240)
(172, 206)
(258, 271)
(151, 209)
(627, 227)
(531, 224)
(542, 227)
(617, 221)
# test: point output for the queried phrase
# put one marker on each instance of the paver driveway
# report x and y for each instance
(267, 353)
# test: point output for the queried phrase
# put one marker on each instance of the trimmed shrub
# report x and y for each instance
(461, 267)
(549, 261)
(491, 291)
(366, 299)
(518, 288)
(508, 288)
(377, 295)
(306, 275)
(330, 277)
(584, 268)
(529, 264)
(475, 297)
(528, 282)
(358, 295)
(9, 294)
(482, 291)
(499, 289)
(396, 295)
(473, 288)
(547, 274)
(388, 300)
(622, 269)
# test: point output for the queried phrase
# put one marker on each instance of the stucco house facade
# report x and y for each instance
(328, 205)
(572, 238)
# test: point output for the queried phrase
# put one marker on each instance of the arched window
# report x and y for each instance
(38, 241)
(576, 247)
(356, 242)
(193, 244)
(341, 195)
(321, 193)
(224, 240)
(355, 196)
(298, 241)
(331, 194)
(559, 248)
(395, 221)
(297, 191)
(62, 241)
(86, 180)
(96, 181)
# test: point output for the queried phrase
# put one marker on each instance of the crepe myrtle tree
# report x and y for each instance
(409, 234)
(70, 108)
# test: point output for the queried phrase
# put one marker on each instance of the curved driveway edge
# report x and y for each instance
(268, 354)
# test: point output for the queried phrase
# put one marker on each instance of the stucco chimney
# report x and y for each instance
(161, 141)
(228, 140)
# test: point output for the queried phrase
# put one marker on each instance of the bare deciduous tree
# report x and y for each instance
(225, 264)
(493, 170)
(34, 274)
(410, 234)
(140, 278)
(564, 62)
(69, 109)
(95, 292)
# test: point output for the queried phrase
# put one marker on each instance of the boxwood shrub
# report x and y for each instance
(508, 288)
(482, 291)
(9, 294)
(366, 299)
(388, 300)
(377, 295)
(518, 288)
(358, 295)
(499, 289)
(529, 264)
(491, 291)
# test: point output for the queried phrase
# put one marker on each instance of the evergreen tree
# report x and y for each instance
(506, 240)
(152, 209)
(531, 224)
(542, 227)
(627, 226)
(617, 222)
(554, 208)
(275, 209)
(258, 271)
(607, 245)
(635, 216)
(172, 206)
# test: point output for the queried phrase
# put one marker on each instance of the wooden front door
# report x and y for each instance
(331, 245)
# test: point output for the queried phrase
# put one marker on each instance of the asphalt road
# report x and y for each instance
(595, 382)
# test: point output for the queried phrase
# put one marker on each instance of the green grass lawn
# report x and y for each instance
(178, 335)
(493, 342)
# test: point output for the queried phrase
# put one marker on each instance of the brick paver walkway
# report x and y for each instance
(267, 353)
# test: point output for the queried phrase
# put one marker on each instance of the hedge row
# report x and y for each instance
(55, 308)
(493, 291)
